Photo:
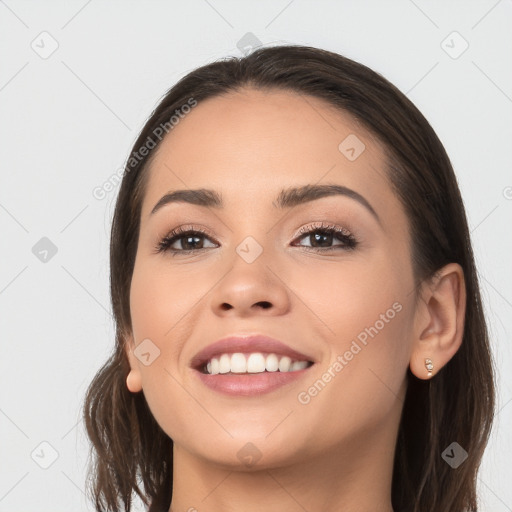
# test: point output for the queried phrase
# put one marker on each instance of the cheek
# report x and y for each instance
(352, 297)
(366, 313)
(160, 302)
(165, 305)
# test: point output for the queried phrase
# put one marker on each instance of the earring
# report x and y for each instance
(429, 366)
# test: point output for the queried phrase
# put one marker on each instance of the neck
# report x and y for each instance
(355, 478)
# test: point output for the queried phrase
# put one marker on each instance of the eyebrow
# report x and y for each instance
(287, 198)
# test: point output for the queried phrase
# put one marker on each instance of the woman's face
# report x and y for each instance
(344, 300)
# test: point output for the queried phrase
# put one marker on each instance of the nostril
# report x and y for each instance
(265, 304)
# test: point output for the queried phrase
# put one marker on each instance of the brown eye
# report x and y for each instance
(322, 238)
(186, 241)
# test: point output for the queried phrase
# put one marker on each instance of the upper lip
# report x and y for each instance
(246, 345)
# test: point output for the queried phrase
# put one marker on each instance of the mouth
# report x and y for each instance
(249, 366)
(253, 363)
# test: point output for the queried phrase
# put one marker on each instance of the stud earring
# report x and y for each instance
(429, 366)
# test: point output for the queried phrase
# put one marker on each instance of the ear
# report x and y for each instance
(439, 320)
(134, 378)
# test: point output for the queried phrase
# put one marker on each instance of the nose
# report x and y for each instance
(251, 289)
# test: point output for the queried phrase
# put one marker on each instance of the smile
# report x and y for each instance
(249, 365)
(252, 363)
(251, 374)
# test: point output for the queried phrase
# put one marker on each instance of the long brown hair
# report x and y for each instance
(130, 453)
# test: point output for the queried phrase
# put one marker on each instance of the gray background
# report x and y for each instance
(68, 122)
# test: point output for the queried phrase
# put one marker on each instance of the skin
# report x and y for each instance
(335, 452)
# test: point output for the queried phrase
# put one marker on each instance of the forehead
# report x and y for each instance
(252, 143)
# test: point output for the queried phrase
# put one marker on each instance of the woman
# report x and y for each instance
(299, 323)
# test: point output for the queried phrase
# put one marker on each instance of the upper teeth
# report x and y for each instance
(253, 363)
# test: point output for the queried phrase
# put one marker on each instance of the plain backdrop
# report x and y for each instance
(77, 81)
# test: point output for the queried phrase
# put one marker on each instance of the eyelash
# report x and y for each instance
(343, 235)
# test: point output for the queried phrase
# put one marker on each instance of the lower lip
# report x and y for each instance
(248, 384)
